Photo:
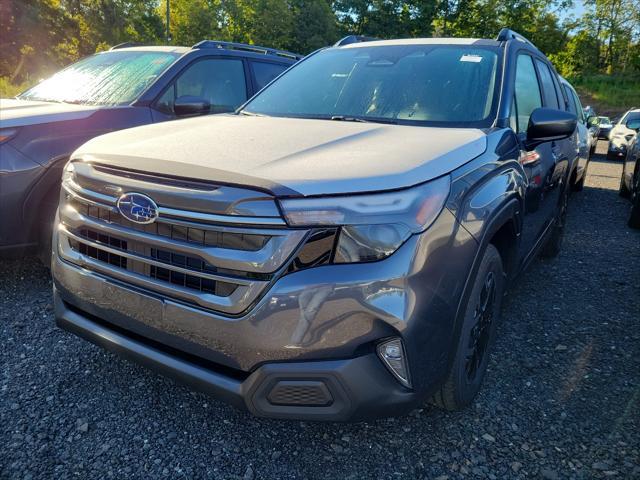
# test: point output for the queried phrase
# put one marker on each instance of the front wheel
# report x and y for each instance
(554, 243)
(623, 191)
(477, 335)
(579, 185)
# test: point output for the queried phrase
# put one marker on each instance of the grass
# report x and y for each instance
(9, 90)
(609, 94)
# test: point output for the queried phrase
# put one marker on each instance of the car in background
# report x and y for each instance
(621, 135)
(594, 133)
(586, 141)
(589, 111)
(605, 125)
(630, 180)
(120, 88)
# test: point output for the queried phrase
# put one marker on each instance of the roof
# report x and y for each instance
(421, 41)
(153, 48)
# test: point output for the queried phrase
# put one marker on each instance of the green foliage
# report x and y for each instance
(38, 37)
(386, 18)
(610, 94)
(9, 89)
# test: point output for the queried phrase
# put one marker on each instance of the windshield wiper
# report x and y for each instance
(250, 114)
(345, 118)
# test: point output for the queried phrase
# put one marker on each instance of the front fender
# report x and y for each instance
(483, 188)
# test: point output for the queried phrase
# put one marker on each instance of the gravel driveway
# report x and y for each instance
(562, 397)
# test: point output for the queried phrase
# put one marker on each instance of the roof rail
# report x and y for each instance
(247, 48)
(349, 39)
(508, 34)
(125, 45)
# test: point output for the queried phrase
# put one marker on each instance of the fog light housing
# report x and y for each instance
(393, 355)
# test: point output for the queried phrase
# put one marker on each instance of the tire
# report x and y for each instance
(634, 216)
(579, 186)
(477, 335)
(554, 243)
(623, 191)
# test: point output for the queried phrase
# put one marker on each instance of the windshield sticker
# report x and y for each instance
(471, 58)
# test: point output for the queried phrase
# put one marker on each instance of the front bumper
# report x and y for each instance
(323, 322)
(337, 390)
(617, 150)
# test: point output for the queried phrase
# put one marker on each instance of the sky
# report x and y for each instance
(576, 11)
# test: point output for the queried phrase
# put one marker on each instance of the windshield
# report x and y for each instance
(604, 120)
(110, 78)
(629, 116)
(437, 85)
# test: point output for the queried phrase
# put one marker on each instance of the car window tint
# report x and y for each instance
(572, 103)
(548, 89)
(264, 72)
(527, 91)
(561, 95)
(580, 112)
(220, 81)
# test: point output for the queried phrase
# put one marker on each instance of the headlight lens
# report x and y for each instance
(373, 225)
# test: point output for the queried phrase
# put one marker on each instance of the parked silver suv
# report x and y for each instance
(337, 249)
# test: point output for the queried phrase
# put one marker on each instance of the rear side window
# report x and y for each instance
(548, 89)
(264, 72)
(572, 103)
(528, 96)
(580, 111)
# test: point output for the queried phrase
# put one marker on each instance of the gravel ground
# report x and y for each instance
(561, 400)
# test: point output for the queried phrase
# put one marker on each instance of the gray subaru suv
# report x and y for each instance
(339, 247)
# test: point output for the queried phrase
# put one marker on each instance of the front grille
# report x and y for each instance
(208, 238)
(223, 267)
(186, 280)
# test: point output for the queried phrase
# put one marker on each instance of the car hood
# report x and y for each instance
(20, 113)
(289, 156)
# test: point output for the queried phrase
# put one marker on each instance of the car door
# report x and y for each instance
(582, 129)
(222, 81)
(544, 165)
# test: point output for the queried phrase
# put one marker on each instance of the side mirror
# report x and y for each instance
(592, 122)
(188, 105)
(634, 124)
(548, 124)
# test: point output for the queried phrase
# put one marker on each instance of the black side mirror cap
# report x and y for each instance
(549, 124)
(634, 124)
(188, 105)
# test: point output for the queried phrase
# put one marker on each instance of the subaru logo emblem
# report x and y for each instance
(138, 208)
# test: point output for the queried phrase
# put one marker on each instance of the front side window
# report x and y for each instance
(110, 78)
(407, 84)
(629, 116)
(528, 96)
(220, 81)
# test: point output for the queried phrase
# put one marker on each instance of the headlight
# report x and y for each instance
(373, 226)
(68, 172)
